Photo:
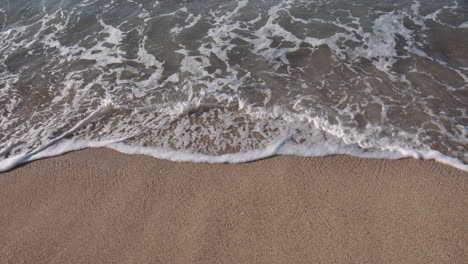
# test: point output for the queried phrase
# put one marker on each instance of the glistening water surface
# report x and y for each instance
(231, 81)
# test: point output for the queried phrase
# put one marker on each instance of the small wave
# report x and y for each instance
(227, 81)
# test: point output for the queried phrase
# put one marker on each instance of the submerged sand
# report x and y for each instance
(102, 206)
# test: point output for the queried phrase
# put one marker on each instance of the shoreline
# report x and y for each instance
(100, 205)
(281, 148)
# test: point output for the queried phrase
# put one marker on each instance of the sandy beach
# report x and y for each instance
(102, 206)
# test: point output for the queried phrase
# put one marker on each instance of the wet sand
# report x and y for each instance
(102, 206)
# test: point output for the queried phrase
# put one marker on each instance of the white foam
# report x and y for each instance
(170, 79)
(464, 25)
(55, 150)
(381, 43)
(279, 147)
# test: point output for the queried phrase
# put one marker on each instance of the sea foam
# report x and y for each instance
(224, 81)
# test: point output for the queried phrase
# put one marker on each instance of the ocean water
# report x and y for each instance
(234, 81)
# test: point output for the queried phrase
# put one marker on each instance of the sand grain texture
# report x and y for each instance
(102, 206)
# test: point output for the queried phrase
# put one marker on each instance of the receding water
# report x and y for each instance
(232, 81)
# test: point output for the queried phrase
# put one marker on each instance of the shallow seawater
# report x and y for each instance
(231, 81)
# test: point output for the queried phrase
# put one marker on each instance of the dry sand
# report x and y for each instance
(101, 206)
